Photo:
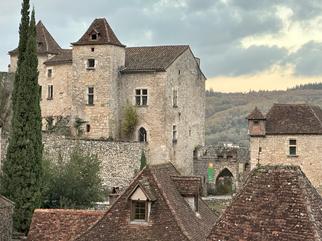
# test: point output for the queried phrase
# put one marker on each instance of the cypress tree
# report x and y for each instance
(22, 169)
(143, 160)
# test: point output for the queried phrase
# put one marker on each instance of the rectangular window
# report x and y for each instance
(91, 63)
(90, 95)
(139, 211)
(40, 92)
(88, 128)
(141, 97)
(49, 73)
(175, 98)
(50, 92)
(174, 134)
(292, 147)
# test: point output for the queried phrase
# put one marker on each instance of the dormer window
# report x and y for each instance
(141, 199)
(94, 36)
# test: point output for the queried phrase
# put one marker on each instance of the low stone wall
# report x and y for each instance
(120, 160)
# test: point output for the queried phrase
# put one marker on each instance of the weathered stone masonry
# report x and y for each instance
(120, 160)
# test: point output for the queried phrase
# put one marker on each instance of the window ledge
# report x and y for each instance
(139, 222)
(90, 105)
(141, 106)
(291, 156)
(90, 68)
(49, 98)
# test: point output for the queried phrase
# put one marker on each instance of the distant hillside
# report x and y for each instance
(226, 113)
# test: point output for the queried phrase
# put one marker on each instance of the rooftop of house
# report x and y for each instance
(292, 119)
(256, 114)
(46, 44)
(137, 59)
(60, 224)
(170, 217)
(275, 203)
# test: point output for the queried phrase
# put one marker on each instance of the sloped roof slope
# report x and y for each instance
(152, 58)
(64, 57)
(256, 114)
(276, 203)
(171, 218)
(60, 224)
(104, 32)
(46, 44)
(294, 119)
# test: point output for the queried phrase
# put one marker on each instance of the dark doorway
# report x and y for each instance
(224, 182)
(142, 135)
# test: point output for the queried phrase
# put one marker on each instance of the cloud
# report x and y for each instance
(307, 60)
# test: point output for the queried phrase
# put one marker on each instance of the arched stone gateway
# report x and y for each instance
(225, 182)
(142, 135)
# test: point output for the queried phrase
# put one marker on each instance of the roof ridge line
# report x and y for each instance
(106, 28)
(185, 233)
(316, 116)
(308, 204)
(43, 32)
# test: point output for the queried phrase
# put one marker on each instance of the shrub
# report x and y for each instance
(130, 120)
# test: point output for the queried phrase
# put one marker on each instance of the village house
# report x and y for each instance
(6, 212)
(159, 204)
(276, 203)
(92, 83)
(289, 134)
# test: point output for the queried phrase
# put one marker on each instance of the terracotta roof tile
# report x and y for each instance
(275, 203)
(60, 224)
(105, 34)
(153, 58)
(171, 218)
(46, 44)
(64, 57)
(294, 119)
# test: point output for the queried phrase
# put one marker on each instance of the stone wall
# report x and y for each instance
(120, 160)
(6, 212)
(275, 150)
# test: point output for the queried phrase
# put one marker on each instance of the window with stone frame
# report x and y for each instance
(139, 211)
(292, 149)
(49, 73)
(175, 98)
(174, 134)
(90, 95)
(141, 97)
(91, 64)
(50, 92)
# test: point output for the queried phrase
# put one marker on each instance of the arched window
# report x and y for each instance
(142, 135)
(224, 182)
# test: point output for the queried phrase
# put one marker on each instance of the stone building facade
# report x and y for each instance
(226, 161)
(6, 212)
(95, 80)
(289, 134)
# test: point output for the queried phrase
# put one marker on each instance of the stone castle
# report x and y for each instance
(99, 77)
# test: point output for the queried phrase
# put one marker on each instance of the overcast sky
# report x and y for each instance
(243, 44)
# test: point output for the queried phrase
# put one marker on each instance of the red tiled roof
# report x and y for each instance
(105, 34)
(46, 44)
(153, 58)
(60, 224)
(275, 203)
(294, 119)
(171, 217)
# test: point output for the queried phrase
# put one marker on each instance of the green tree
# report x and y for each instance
(22, 169)
(143, 160)
(130, 120)
(72, 184)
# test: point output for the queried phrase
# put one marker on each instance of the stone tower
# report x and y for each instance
(256, 123)
(97, 58)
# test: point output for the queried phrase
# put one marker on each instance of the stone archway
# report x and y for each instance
(225, 182)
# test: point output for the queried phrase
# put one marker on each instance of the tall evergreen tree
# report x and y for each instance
(22, 169)
(142, 160)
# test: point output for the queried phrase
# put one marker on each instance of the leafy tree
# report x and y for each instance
(143, 160)
(130, 120)
(22, 169)
(72, 184)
